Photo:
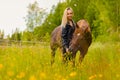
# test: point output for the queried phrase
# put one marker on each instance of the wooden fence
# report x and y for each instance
(21, 43)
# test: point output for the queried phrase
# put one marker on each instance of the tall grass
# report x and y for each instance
(102, 62)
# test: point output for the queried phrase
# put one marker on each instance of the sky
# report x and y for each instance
(12, 13)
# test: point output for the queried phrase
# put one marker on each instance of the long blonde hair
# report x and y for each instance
(64, 17)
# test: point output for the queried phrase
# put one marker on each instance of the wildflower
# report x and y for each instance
(1, 66)
(72, 74)
(11, 65)
(21, 75)
(58, 77)
(10, 73)
(100, 75)
(32, 78)
(92, 77)
(63, 79)
(42, 75)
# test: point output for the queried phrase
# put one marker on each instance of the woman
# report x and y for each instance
(68, 27)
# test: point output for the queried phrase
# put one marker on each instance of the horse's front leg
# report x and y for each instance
(64, 56)
(82, 55)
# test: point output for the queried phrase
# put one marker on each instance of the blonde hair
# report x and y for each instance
(64, 17)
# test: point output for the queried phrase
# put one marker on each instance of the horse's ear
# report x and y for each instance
(77, 25)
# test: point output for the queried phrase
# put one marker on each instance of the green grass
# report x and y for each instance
(102, 62)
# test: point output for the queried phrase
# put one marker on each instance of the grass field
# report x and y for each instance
(102, 62)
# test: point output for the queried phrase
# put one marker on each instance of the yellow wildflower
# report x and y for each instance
(63, 79)
(100, 75)
(11, 65)
(92, 77)
(32, 78)
(58, 77)
(10, 73)
(1, 66)
(72, 74)
(42, 75)
(21, 75)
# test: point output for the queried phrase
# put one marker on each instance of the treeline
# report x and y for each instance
(103, 16)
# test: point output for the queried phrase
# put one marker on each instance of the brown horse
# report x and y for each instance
(81, 41)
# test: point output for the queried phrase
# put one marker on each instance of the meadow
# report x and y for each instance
(102, 62)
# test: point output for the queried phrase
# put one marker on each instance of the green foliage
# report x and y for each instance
(102, 15)
(27, 36)
(79, 8)
(16, 35)
(46, 38)
(113, 37)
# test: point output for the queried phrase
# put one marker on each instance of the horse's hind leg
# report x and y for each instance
(64, 56)
(53, 55)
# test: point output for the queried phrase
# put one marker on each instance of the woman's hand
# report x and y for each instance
(67, 50)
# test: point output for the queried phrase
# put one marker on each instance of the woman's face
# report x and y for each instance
(69, 14)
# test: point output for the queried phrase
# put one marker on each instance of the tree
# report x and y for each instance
(52, 20)
(16, 35)
(35, 16)
(1, 34)
(27, 36)
(103, 16)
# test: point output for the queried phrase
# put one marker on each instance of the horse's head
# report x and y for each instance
(82, 28)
